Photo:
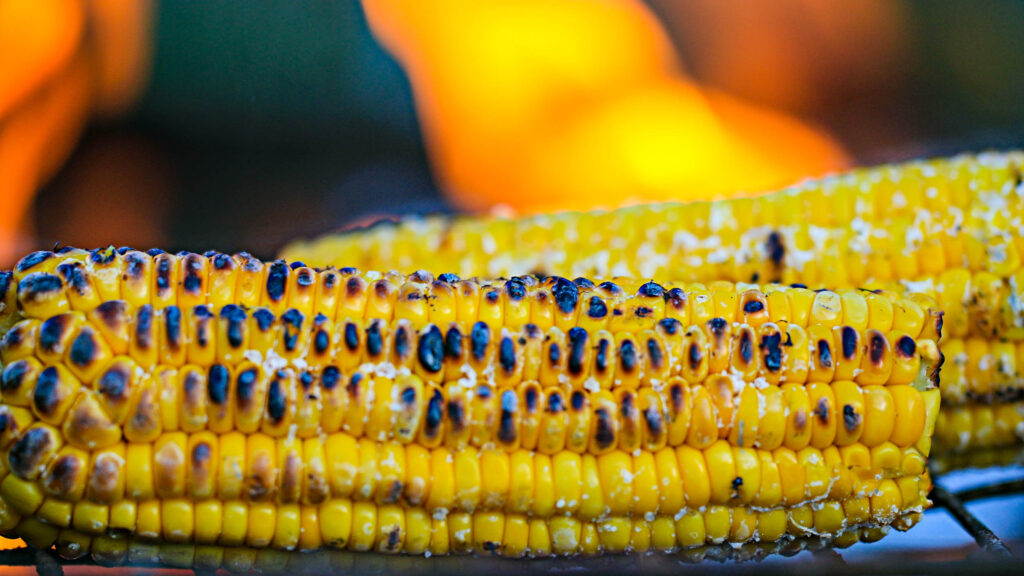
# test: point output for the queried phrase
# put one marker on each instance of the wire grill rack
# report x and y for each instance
(991, 556)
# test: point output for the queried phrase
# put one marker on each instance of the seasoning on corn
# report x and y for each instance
(947, 230)
(220, 400)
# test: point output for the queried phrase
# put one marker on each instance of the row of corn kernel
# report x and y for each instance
(969, 427)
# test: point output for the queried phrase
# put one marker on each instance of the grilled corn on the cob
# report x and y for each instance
(220, 400)
(947, 228)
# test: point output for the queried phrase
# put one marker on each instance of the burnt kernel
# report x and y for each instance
(800, 420)
(821, 410)
(643, 311)
(51, 331)
(627, 405)
(5, 282)
(577, 400)
(670, 326)
(850, 418)
(351, 336)
(583, 283)
(172, 326)
(277, 400)
(877, 347)
(61, 477)
(453, 343)
(408, 396)
(413, 296)
(771, 349)
(532, 330)
(192, 267)
(627, 355)
(47, 395)
(245, 384)
(577, 349)
(306, 380)
(353, 286)
(435, 414)
(163, 273)
(38, 284)
(566, 295)
(676, 298)
(483, 391)
(554, 353)
(374, 339)
(33, 259)
(144, 327)
(74, 276)
(515, 289)
(223, 262)
(597, 308)
(775, 248)
(201, 455)
(347, 270)
(430, 351)
(479, 338)
(601, 358)
(696, 355)
(604, 431)
(264, 319)
(655, 422)
(330, 279)
(848, 337)
(678, 397)
(27, 453)
(736, 484)
(492, 296)
(330, 377)
(610, 287)
(235, 316)
(507, 355)
(718, 326)
(456, 415)
(277, 280)
(651, 290)
(654, 353)
(530, 397)
(824, 354)
(292, 321)
(321, 341)
(906, 346)
(753, 306)
(507, 423)
(448, 278)
(555, 404)
(112, 313)
(114, 382)
(83, 350)
(103, 255)
(14, 375)
(305, 277)
(395, 535)
(297, 264)
(402, 342)
(217, 383)
(353, 384)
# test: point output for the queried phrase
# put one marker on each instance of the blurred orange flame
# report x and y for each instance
(558, 104)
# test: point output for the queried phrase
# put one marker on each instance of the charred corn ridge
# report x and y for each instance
(343, 524)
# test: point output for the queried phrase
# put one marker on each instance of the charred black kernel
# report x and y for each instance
(577, 349)
(515, 289)
(643, 311)
(155, 252)
(824, 354)
(652, 290)
(583, 283)
(492, 296)
(555, 403)
(193, 385)
(306, 380)
(292, 320)
(849, 339)
(305, 277)
(507, 422)
(83, 349)
(456, 415)
(601, 358)
(577, 399)
(5, 282)
(163, 273)
(610, 287)
(771, 349)
(507, 355)
(277, 401)
(14, 375)
(737, 483)
(193, 266)
(670, 325)
(554, 353)
(330, 377)
(103, 255)
(245, 384)
(114, 382)
(218, 383)
(822, 410)
(597, 308)
(33, 259)
(676, 298)
(409, 396)
(45, 396)
(348, 270)
(28, 451)
(617, 312)
(654, 353)
(353, 384)
(321, 341)
(351, 336)
(203, 317)
(448, 278)
(277, 280)
(395, 535)
(775, 248)
(235, 316)
(51, 331)
(483, 391)
(144, 327)
(264, 318)
(61, 478)
(222, 262)
(566, 295)
(296, 264)
(201, 454)
(655, 422)
(797, 285)
(479, 338)
(172, 326)
(330, 279)
(530, 397)
(696, 355)
(435, 414)
(531, 330)
(374, 340)
(753, 306)
(876, 347)
(65, 249)
(431, 350)
(113, 313)
(627, 405)
(906, 346)
(755, 277)
(718, 326)
(453, 343)
(414, 296)
(40, 283)
(676, 394)
(354, 286)
(402, 342)
(604, 431)
(850, 418)
(627, 355)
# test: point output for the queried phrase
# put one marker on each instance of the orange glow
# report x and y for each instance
(555, 104)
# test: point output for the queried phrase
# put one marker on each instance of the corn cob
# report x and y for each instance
(282, 400)
(948, 229)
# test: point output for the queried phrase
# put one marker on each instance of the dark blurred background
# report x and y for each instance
(261, 121)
